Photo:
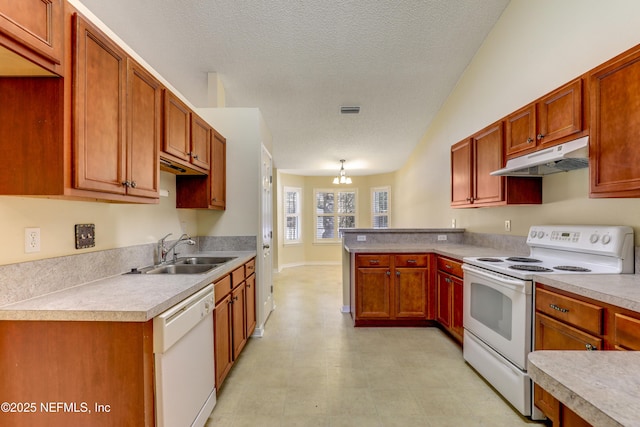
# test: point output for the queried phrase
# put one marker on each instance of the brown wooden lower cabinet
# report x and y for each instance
(449, 288)
(565, 321)
(392, 289)
(234, 317)
(66, 369)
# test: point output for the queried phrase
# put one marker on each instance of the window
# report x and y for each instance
(334, 210)
(380, 207)
(292, 203)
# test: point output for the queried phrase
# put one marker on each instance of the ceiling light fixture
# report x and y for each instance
(342, 178)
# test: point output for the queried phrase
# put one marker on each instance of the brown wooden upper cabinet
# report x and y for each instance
(549, 121)
(187, 138)
(116, 140)
(614, 153)
(472, 161)
(31, 32)
(206, 192)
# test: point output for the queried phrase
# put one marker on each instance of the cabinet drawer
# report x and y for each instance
(222, 288)
(237, 276)
(412, 260)
(570, 310)
(372, 260)
(450, 266)
(627, 332)
(250, 268)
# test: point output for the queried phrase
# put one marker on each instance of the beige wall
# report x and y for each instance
(309, 252)
(535, 47)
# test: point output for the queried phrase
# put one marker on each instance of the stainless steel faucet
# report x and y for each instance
(163, 250)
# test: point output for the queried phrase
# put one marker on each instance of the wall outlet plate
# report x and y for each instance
(85, 236)
(361, 238)
(31, 240)
(442, 237)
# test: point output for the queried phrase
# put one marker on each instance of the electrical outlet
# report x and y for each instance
(361, 238)
(442, 237)
(31, 240)
(453, 223)
(507, 225)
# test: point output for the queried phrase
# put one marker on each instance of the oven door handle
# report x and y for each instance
(503, 280)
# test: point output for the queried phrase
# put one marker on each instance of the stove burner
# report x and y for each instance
(490, 259)
(535, 268)
(571, 268)
(522, 259)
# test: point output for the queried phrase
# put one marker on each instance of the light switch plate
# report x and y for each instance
(85, 236)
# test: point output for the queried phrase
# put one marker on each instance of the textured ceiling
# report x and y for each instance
(298, 61)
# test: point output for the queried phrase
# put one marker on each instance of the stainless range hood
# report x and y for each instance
(565, 157)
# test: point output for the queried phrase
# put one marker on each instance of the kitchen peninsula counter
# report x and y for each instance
(123, 297)
(599, 386)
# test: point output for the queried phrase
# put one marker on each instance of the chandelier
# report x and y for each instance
(342, 178)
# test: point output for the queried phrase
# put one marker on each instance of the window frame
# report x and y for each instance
(298, 215)
(335, 214)
(387, 189)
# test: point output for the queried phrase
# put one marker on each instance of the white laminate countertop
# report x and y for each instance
(602, 387)
(457, 251)
(121, 298)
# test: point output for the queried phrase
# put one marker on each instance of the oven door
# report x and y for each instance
(497, 310)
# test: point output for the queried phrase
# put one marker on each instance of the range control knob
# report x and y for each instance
(541, 234)
(533, 233)
(606, 239)
(594, 238)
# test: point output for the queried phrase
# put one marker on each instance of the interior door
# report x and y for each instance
(266, 266)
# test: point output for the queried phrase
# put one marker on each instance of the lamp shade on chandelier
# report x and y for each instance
(342, 178)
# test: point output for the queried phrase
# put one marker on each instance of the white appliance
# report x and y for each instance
(498, 298)
(184, 362)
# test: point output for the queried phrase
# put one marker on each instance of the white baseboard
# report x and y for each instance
(301, 264)
(345, 309)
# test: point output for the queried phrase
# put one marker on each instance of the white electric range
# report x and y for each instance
(498, 298)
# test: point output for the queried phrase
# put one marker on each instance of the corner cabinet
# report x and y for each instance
(472, 161)
(565, 321)
(614, 153)
(393, 289)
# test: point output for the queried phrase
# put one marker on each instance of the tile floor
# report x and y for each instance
(313, 368)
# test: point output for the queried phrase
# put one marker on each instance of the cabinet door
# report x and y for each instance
(99, 82)
(488, 157)
(144, 102)
(521, 131)
(223, 345)
(218, 173)
(626, 332)
(250, 315)
(373, 293)
(456, 303)
(177, 127)
(36, 25)
(554, 335)
(614, 154)
(200, 142)
(461, 173)
(443, 295)
(411, 292)
(239, 329)
(560, 114)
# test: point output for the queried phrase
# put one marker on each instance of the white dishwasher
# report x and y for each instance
(184, 362)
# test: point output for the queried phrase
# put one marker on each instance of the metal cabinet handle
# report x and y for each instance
(126, 184)
(590, 347)
(374, 262)
(388, 273)
(412, 261)
(560, 309)
(529, 140)
(133, 184)
(448, 267)
(398, 273)
(540, 136)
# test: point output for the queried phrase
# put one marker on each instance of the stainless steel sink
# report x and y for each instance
(182, 269)
(204, 260)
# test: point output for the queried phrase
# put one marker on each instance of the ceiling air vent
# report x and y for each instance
(349, 110)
